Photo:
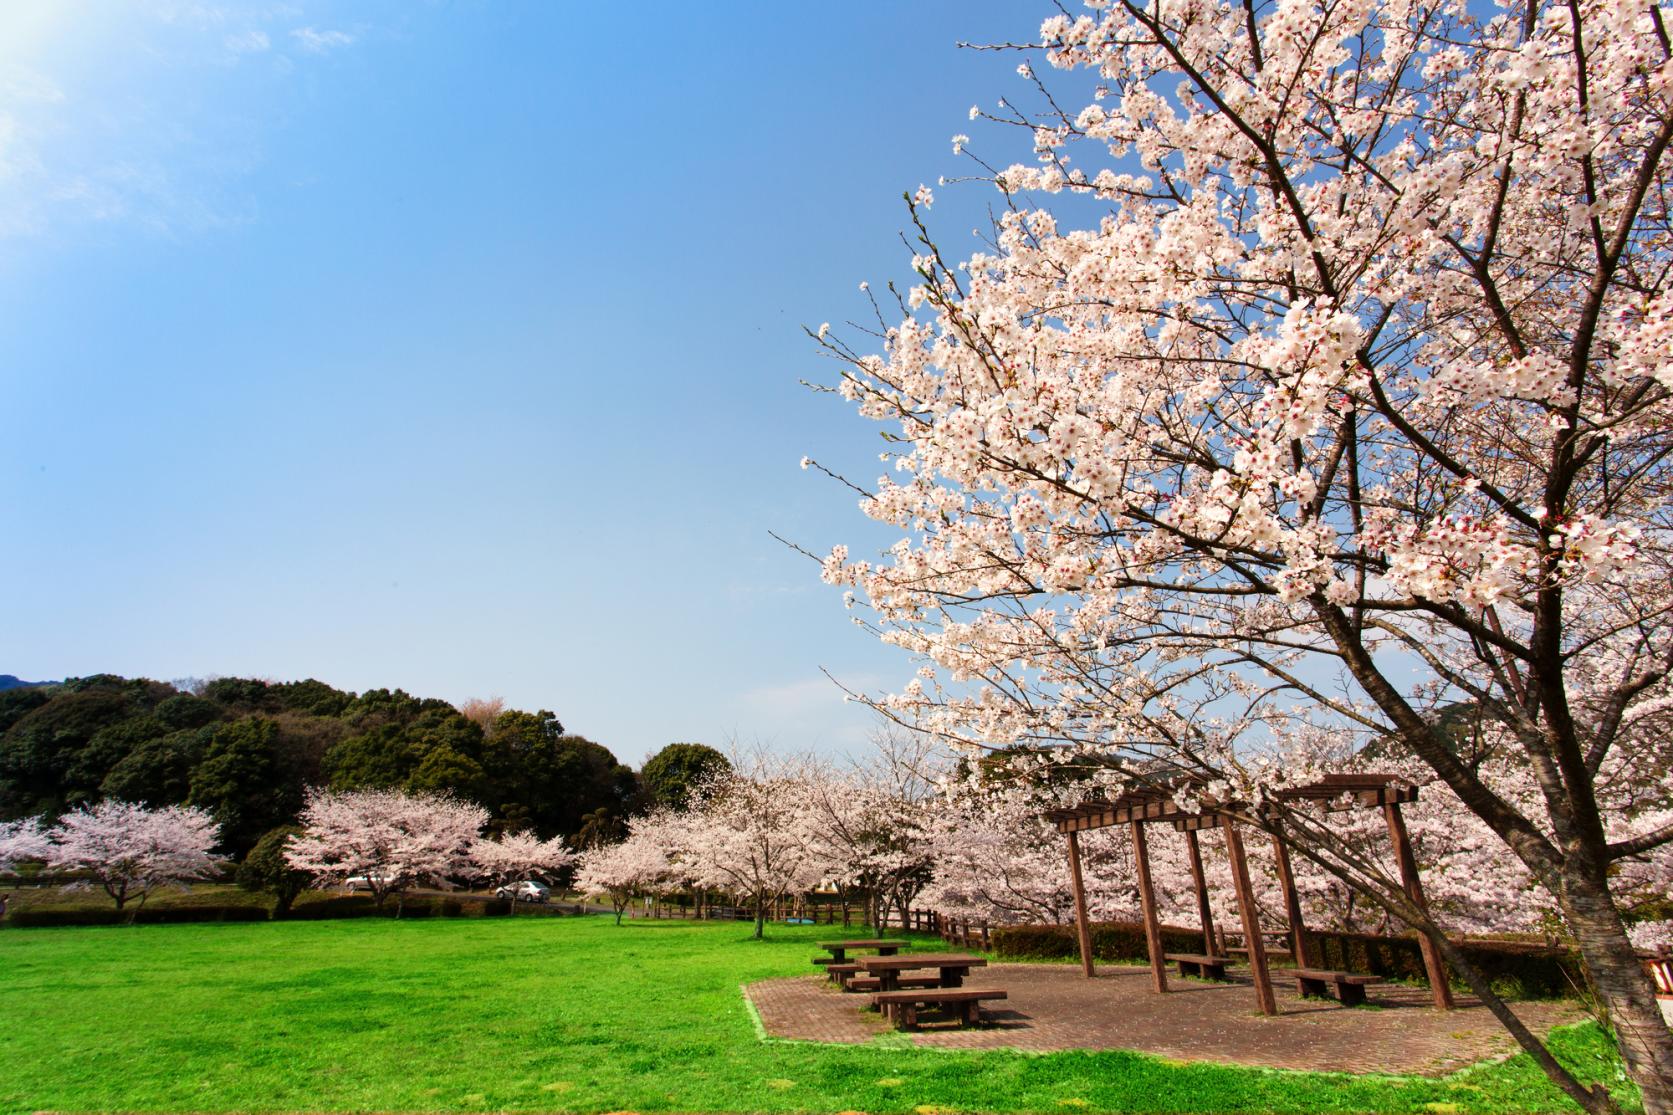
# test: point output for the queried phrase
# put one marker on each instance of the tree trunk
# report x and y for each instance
(760, 917)
(1624, 989)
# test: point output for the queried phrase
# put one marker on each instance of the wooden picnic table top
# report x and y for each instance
(921, 960)
(889, 942)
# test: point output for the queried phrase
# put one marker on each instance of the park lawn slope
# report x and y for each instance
(573, 1014)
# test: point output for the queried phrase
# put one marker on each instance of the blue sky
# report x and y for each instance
(456, 347)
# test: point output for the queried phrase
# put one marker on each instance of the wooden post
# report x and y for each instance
(1204, 912)
(1432, 962)
(1292, 902)
(1251, 921)
(1083, 931)
(1147, 898)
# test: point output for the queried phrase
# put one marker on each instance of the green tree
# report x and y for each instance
(244, 782)
(313, 697)
(159, 770)
(668, 776)
(380, 759)
(265, 869)
(540, 778)
(39, 751)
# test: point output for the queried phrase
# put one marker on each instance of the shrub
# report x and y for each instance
(337, 906)
(265, 869)
(1111, 941)
(1514, 968)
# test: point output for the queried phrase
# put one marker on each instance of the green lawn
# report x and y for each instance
(572, 1014)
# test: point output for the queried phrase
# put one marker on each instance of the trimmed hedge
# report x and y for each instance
(1514, 969)
(335, 906)
(1111, 940)
(153, 915)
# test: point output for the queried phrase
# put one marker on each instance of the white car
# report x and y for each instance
(362, 882)
(526, 891)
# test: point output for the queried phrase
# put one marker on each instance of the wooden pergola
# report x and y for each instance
(1140, 807)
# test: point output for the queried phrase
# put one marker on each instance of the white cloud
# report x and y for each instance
(250, 42)
(21, 84)
(318, 42)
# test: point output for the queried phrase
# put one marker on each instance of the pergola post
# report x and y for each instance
(1200, 881)
(1292, 900)
(1251, 920)
(1083, 930)
(1432, 962)
(1147, 898)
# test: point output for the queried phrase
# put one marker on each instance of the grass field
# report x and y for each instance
(572, 1014)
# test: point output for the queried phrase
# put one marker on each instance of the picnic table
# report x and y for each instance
(839, 949)
(951, 968)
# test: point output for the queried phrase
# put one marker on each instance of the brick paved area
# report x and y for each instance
(1052, 1007)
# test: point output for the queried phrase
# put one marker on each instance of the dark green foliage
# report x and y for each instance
(244, 781)
(380, 759)
(39, 752)
(18, 703)
(243, 694)
(158, 771)
(145, 915)
(668, 776)
(265, 869)
(183, 711)
(109, 746)
(246, 750)
(312, 697)
(547, 781)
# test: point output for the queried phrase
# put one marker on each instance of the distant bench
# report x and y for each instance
(965, 1003)
(1319, 983)
(1199, 965)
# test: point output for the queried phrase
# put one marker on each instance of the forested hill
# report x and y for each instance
(12, 681)
(247, 750)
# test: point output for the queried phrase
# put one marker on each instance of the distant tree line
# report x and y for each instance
(247, 751)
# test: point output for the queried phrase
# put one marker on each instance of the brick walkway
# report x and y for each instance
(1052, 1007)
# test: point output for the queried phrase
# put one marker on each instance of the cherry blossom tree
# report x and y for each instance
(872, 821)
(517, 856)
(130, 850)
(640, 864)
(390, 839)
(1335, 393)
(752, 832)
(22, 841)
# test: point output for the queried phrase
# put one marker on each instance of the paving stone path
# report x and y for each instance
(1052, 1007)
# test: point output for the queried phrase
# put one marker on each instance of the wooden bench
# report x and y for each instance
(887, 946)
(1203, 967)
(901, 1007)
(1349, 987)
(849, 978)
(836, 973)
(873, 983)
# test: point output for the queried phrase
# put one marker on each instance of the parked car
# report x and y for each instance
(526, 891)
(362, 882)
